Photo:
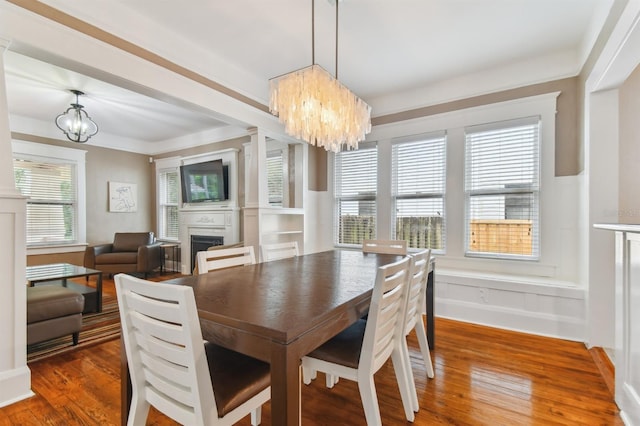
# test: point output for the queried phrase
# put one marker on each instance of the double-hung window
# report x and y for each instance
(418, 174)
(502, 185)
(168, 188)
(276, 172)
(52, 179)
(356, 174)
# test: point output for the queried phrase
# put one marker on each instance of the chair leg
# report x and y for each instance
(138, 412)
(408, 371)
(424, 347)
(405, 388)
(74, 338)
(256, 416)
(370, 401)
(308, 375)
(331, 380)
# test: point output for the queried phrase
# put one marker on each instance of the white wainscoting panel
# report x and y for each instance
(531, 305)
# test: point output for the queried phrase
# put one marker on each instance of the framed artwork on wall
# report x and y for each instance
(123, 197)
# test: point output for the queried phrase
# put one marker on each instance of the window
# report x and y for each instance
(168, 189)
(53, 180)
(355, 191)
(502, 189)
(418, 186)
(275, 177)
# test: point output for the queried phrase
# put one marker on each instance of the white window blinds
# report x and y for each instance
(418, 189)
(355, 192)
(52, 203)
(502, 185)
(169, 186)
(275, 177)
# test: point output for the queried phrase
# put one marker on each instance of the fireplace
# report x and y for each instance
(202, 243)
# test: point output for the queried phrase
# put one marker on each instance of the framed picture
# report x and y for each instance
(123, 197)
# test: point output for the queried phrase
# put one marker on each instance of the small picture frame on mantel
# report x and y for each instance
(123, 197)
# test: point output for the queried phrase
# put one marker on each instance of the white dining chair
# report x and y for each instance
(277, 251)
(385, 246)
(211, 260)
(358, 352)
(172, 369)
(413, 319)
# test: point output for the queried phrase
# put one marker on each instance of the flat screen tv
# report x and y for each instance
(204, 182)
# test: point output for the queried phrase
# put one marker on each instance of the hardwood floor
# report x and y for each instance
(483, 376)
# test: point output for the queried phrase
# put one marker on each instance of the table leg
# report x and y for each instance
(285, 385)
(431, 334)
(99, 292)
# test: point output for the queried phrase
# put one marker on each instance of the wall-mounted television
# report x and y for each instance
(204, 182)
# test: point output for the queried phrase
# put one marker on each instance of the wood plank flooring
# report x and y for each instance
(483, 376)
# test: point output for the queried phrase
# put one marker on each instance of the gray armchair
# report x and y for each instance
(130, 252)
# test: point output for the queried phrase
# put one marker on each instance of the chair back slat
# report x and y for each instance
(156, 341)
(211, 260)
(385, 246)
(279, 251)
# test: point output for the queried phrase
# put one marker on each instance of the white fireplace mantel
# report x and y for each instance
(220, 222)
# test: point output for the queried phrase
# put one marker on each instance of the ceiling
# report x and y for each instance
(395, 54)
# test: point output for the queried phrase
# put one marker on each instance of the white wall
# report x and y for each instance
(619, 58)
(15, 376)
(543, 297)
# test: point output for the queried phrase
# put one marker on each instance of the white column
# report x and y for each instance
(15, 376)
(256, 190)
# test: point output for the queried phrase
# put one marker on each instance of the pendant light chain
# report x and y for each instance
(337, 3)
(313, 32)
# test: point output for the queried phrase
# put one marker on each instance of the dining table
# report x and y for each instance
(279, 311)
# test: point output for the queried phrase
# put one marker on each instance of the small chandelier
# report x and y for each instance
(76, 123)
(315, 107)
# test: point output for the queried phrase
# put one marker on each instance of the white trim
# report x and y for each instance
(78, 156)
(556, 214)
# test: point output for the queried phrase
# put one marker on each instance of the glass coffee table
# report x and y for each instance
(61, 272)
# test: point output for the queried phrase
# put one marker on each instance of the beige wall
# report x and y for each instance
(567, 141)
(629, 149)
(105, 165)
(75, 258)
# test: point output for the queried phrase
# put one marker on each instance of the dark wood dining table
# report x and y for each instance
(280, 311)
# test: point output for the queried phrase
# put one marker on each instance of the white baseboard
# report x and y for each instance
(15, 385)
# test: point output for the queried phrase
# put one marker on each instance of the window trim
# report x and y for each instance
(373, 197)
(422, 195)
(164, 165)
(534, 189)
(553, 210)
(44, 152)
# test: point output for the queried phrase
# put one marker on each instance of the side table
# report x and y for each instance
(165, 249)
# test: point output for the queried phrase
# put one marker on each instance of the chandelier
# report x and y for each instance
(315, 107)
(76, 123)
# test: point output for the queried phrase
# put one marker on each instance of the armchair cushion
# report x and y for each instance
(130, 241)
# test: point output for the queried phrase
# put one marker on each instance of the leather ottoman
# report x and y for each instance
(53, 311)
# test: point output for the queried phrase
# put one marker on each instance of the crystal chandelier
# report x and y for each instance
(76, 123)
(315, 107)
